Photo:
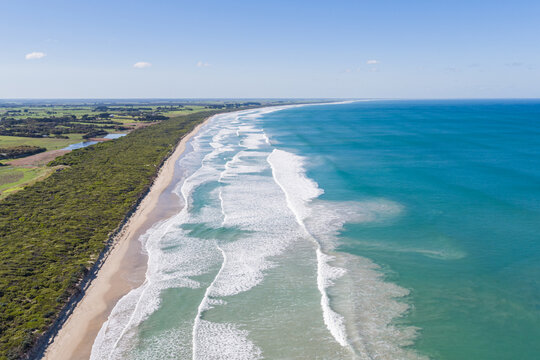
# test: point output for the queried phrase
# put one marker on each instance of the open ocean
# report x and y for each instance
(366, 230)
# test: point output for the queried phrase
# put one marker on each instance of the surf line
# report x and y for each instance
(332, 320)
(147, 283)
(163, 229)
(203, 306)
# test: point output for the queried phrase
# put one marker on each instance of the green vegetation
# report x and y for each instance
(95, 134)
(120, 110)
(14, 152)
(9, 176)
(14, 178)
(58, 120)
(52, 232)
(54, 126)
(48, 143)
(57, 125)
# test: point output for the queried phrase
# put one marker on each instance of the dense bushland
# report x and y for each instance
(14, 152)
(52, 232)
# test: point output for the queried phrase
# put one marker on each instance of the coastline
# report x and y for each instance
(124, 267)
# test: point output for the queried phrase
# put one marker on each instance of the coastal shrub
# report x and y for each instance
(14, 152)
(95, 134)
(53, 231)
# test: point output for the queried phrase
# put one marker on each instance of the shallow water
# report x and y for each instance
(80, 145)
(371, 230)
(83, 144)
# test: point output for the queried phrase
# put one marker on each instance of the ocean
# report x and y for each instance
(362, 230)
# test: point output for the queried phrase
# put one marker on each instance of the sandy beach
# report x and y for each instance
(123, 270)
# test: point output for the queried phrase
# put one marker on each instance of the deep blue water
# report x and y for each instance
(466, 243)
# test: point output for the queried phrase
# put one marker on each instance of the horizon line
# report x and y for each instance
(271, 98)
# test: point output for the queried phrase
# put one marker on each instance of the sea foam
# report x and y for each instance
(236, 182)
(299, 190)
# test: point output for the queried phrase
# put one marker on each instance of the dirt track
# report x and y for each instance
(38, 159)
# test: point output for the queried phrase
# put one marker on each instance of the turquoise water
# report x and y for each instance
(367, 230)
(467, 243)
(80, 145)
(114, 136)
(84, 144)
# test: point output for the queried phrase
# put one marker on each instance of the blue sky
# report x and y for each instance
(352, 49)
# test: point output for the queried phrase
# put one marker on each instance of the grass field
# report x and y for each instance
(184, 111)
(15, 178)
(18, 123)
(48, 143)
(61, 110)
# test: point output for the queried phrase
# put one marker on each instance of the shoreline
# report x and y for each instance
(123, 269)
(124, 265)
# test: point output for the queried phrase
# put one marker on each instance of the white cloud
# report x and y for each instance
(35, 55)
(372, 62)
(203, 64)
(141, 65)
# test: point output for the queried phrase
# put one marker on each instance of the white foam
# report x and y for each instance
(164, 345)
(166, 268)
(363, 306)
(265, 193)
(441, 250)
(266, 218)
(244, 260)
(226, 342)
(205, 304)
(369, 304)
(289, 174)
(331, 216)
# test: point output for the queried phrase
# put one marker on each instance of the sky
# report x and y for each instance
(270, 49)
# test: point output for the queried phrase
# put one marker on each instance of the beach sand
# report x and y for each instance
(123, 270)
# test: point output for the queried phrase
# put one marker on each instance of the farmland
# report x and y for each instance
(56, 125)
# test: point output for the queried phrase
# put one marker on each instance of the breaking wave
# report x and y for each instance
(246, 203)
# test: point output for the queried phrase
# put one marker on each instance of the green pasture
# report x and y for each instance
(48, 143)
(15, 178)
